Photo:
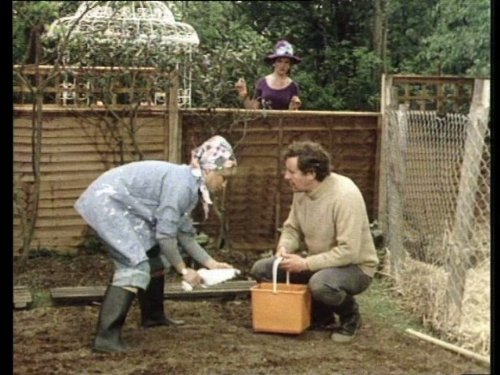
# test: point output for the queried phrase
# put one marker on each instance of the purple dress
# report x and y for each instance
(274, 99)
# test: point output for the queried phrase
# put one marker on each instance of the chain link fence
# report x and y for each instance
(437, 220)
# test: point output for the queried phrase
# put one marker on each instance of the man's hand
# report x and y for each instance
(293, 263)
(280, 251)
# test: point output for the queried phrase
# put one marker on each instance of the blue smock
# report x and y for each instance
(134, 205)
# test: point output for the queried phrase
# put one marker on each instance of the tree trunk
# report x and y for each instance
(379, 36)
(31, 207)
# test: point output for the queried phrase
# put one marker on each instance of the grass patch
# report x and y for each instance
(41, 298)
(380, 301)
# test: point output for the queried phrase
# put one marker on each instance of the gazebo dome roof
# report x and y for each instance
(137, 21)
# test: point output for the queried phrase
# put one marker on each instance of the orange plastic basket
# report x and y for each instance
(286, 311)
(279, 307)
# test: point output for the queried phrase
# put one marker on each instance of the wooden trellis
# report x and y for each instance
(72, 86)
(432, 93)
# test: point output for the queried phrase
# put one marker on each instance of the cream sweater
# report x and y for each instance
(333, 222)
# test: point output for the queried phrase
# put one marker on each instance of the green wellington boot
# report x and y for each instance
(114, 310)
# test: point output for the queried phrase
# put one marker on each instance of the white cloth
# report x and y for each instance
(212, 277)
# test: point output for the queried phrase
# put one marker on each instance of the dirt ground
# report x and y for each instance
(217, 338)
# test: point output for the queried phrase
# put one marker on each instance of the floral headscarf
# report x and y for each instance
(214, 154)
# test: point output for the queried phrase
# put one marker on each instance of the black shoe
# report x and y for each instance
(114, 310)
(322, 316)
(350, 320)
(349, 326)
(151, 305)
(324, 325)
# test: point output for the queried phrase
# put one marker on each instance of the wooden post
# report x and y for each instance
(449, 346)
(458, 245)
(174, 130)
(397, 175)
(387, 101)
(279, 168)
(440, 99)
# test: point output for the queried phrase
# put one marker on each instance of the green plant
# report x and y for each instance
(92, 244)
(380, 301)
(41, 298)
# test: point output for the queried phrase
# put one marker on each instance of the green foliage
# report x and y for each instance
(96, 48)
(332, 37)
(346, 83)
(381, 300)
(202, 238)
(26, 16)
(325, 97)
(340, 69)
(409, 22)
(220, 61)
(440, 37)
(41, 298)
(460, 43)
(92, 244)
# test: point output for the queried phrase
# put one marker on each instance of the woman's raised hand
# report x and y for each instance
(241, 87)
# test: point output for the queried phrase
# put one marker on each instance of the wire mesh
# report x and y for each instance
(438, 220)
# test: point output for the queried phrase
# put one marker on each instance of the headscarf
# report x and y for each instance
(214, 154)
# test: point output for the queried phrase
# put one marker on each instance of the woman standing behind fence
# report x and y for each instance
(141, 211)
(276, 90)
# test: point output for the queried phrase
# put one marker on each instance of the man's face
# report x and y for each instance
(298, 181)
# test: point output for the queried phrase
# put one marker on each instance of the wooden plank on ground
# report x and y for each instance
(173, 291)
(22, 297)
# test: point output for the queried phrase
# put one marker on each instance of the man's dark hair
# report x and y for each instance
(312, 157)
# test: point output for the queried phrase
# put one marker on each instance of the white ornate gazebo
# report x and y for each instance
(138, 25)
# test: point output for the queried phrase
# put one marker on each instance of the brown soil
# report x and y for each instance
(216, 339)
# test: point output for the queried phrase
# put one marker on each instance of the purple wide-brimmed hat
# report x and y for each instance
(282, 49)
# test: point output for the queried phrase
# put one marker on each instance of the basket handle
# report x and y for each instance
(276, 262)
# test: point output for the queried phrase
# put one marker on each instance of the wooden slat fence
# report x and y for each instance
(259, 198)
(78, 145)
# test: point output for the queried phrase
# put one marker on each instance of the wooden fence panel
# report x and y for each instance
(77, 147)
(259, 199)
